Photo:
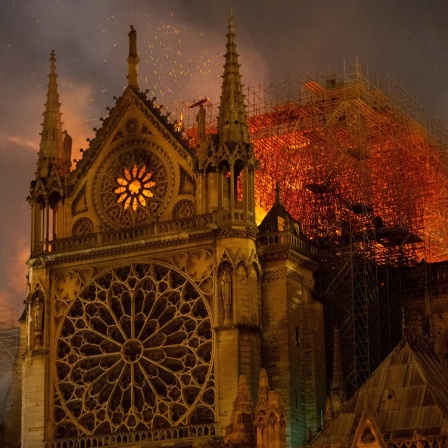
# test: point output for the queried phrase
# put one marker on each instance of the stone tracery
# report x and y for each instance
(134, 353)
(83, 226)
(133, 185)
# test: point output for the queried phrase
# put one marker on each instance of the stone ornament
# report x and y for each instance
(132, 125)
(226, 295)
(134, 352)
(183, 209)
(82, 226)
(36, 316)
(133, 186)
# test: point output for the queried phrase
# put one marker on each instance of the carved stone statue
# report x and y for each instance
(38, 317)
(132, 42)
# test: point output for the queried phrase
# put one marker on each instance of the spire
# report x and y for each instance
(278, 193)
(51, 152)
(133, 58)
(232, 123)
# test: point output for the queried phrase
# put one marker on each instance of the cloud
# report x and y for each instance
(20, 141)
(79, 112)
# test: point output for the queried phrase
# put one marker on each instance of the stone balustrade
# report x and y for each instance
(167, 228)
(289, 239)
(104, 238)
(155, 436)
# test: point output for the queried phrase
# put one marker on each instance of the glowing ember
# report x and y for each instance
(347, 165)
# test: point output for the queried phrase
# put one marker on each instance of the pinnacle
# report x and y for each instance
(232, 123)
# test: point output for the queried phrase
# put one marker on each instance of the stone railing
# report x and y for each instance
(288, 239)
(419, 441)
(154, 436)
(238, 215)
(118, 236)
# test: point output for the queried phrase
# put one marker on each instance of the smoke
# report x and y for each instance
(80, 113)
(181, 46)
(5, 383)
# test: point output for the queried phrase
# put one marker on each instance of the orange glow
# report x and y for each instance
(348, 157)
(134, 187)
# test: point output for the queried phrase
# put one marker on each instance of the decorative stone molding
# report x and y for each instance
(273, 274)
(132, 125)
(300, 279)
(232, 232)
(82, 226)
(112, 250)
(183, 209)
(205, 433)
(274, 256)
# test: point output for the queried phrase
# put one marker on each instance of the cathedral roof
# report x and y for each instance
(406, 397)
(271, 222)
(145, 108)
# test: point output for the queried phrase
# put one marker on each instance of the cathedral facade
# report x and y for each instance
(152, 291)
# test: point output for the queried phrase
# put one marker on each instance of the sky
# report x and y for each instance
(181, 45)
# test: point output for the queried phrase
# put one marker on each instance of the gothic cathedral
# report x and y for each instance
(155, 303)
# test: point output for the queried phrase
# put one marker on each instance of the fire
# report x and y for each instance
(351, 162)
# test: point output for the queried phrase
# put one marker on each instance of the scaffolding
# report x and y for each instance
(9, 338)
(366, 175)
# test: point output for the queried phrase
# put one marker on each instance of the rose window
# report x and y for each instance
(134, 187)
(134, 352)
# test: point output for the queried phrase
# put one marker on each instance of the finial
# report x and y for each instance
(230, 22)
(53, 65)
(278, 193)
(133, 58)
